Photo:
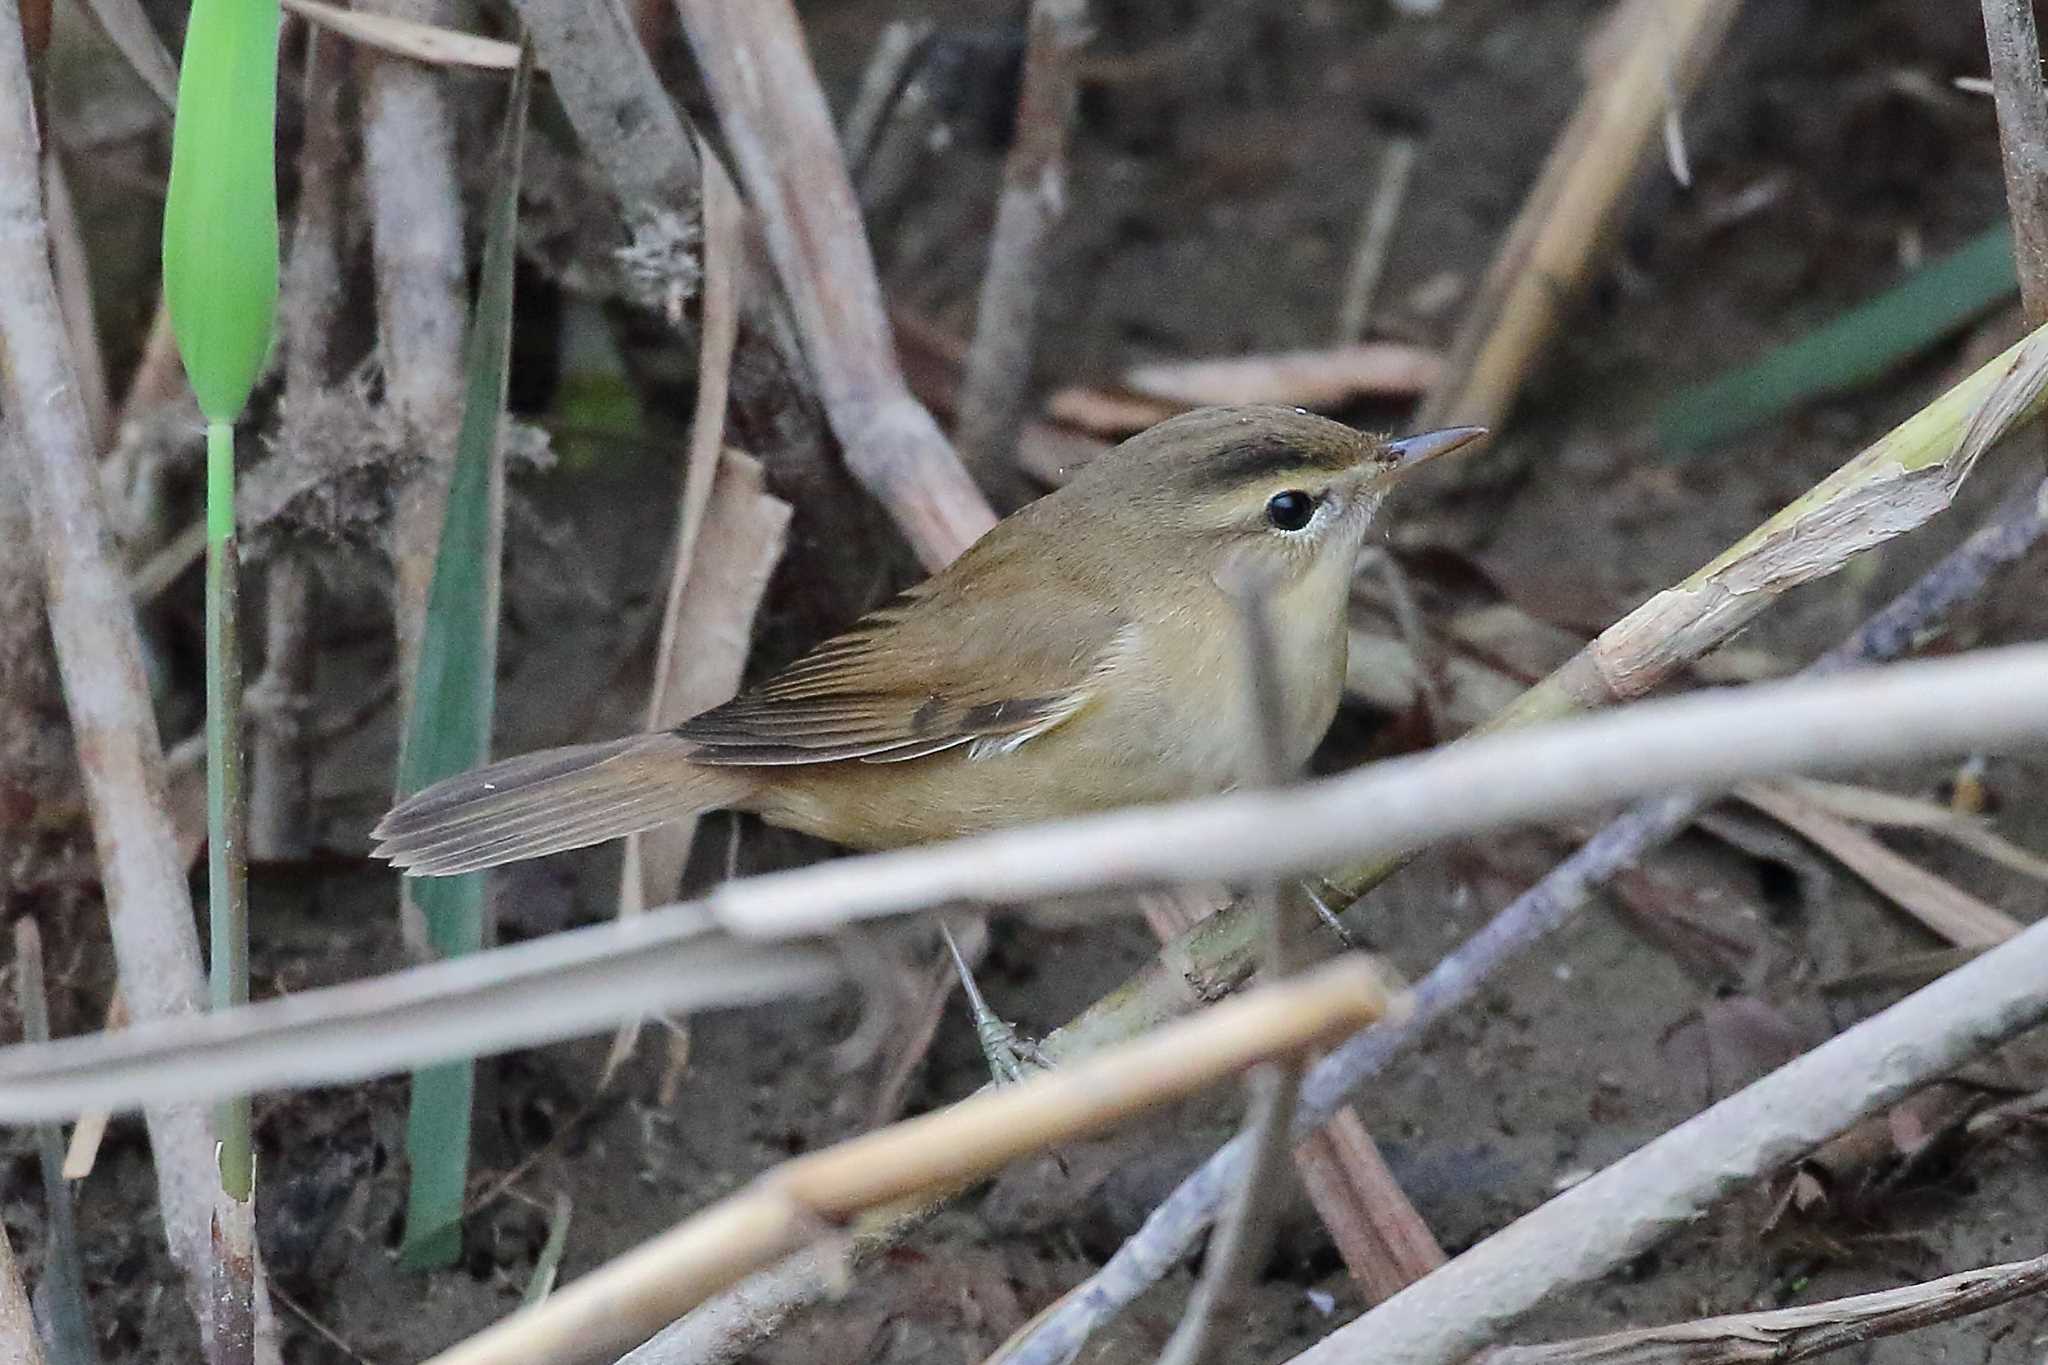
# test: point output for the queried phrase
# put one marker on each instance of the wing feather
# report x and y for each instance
(919, 677)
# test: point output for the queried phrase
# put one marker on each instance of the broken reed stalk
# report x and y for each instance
(1783, 1335)
(1028, 213)
(1171, 1230)
(1549, 251)
(775, 120)
(2015, 52)
(796, 1202)
(93, 627)
(1667, 1184)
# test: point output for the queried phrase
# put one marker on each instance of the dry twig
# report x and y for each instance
(1947, 909)
(70, 1317)
(775, 120)
(628, 125)
(1033, 201)
(2022, 101)
(279, 702)
(1369, 260)
(18, 1341)
(1545, 258)
(1244, 1231)
(1789, 1334)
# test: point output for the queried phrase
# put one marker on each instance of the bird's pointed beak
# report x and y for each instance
(1425, 446)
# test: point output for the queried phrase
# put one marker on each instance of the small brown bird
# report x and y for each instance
(1084, 654)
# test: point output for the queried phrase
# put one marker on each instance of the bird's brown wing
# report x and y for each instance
(931, 671)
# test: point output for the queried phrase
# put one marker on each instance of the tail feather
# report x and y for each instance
(550, 801)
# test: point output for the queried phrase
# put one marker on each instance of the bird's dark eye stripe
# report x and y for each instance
(1290, 511)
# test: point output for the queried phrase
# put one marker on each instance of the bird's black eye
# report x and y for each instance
(1291, 510)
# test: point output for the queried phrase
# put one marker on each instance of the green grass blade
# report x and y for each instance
(1862, 345)
(449, 728)
(220, 212)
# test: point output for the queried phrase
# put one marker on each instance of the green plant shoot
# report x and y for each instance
(220, 283)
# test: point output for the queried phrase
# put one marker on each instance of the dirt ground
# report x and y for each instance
(1214, 203)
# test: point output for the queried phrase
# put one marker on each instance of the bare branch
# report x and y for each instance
(1789, 1334)
(1033, 201)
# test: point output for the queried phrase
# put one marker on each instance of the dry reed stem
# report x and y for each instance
(543, 989)
(1789, 1334)
(417, 248)
(1667, 1184)
(90, 1130)
(775, 120)
(19, 1344)
(629, 126)
(894, 57)
(1244, 1231)
(1028, 213)
(707, 632)
(1385, 1243)
(68, 1313)
(794, 1203)
(280, 700)
(740, 546)
(1715, 738)
(92, 624)
(1369, 259)
(1949, 911)
(1549, 251)
(74, 295)
(2015, 52)
(693, 673)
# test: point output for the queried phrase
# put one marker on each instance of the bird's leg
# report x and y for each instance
(1009, 1056)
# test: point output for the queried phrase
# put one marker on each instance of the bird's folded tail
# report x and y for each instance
(550, 801)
